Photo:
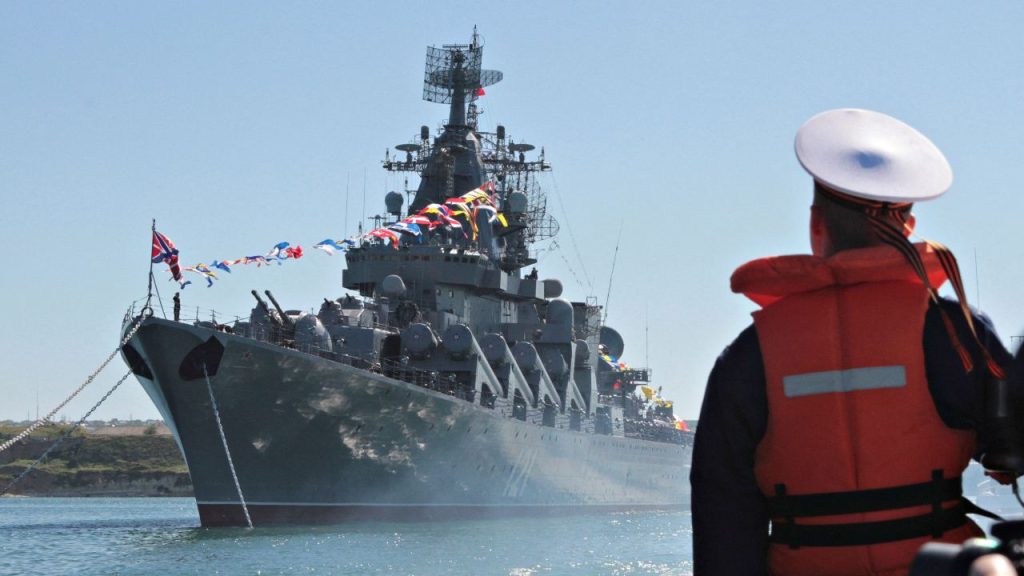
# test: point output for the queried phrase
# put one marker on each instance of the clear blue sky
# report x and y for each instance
(239, 125)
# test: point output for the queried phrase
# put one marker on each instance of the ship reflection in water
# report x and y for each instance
(447, 384)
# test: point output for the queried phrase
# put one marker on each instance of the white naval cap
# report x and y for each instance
(872, 156)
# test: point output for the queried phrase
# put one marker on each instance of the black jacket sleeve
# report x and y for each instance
(730, 521)
(957, 393)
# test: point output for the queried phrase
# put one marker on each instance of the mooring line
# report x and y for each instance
(24, 433)
(224, 440)
(66, 435)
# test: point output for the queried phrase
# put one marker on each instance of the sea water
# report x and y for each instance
(162, 536)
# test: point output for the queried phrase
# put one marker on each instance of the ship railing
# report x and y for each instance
(199, 315)
(134, 309)
(190, 315)
(610, 399)
(424, 378)
(655, 432)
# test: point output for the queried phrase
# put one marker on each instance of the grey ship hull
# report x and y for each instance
(314, 440)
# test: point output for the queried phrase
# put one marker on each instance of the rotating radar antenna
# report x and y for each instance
(453, 73)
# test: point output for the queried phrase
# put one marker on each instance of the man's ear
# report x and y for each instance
(817, 220)
(818, 231)
(908, 225)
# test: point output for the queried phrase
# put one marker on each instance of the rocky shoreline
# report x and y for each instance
(95, 464)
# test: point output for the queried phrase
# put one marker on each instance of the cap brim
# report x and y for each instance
(873, 156)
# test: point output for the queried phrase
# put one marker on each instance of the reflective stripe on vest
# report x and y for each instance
(844, 380)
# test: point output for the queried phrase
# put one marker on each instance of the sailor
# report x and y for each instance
(835, 429)
(177, 306)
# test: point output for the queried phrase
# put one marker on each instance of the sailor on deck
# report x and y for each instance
(845, 415)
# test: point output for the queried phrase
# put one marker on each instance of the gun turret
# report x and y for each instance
(262, 304)
(288, 321)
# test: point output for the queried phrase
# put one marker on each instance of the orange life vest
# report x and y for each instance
(858, 468)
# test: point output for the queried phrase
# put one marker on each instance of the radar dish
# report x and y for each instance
(455, 68)
(408, 147)
(489, 77)
(521, 147)
(541, 226)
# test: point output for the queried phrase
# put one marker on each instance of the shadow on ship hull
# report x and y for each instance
(314, 440)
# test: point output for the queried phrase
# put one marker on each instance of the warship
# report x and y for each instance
(446, 383)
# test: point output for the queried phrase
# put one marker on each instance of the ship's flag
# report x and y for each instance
(419, 220)
(259, 260)
(384, 233)
(407, 228)
(433, 209)
(457, 207)
(491, 211)
(164, 251)
(610, 361)
(327, 245)
(204, 271)
(451, 221)
(480, 91)
(476, 195)
(276, 251)
(222, 265)
(681, 425)
(294, 253)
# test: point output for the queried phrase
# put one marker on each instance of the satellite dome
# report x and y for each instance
(394, 202)
(392, 286)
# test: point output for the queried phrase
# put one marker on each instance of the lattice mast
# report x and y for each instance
(461, 158)
(453, 76)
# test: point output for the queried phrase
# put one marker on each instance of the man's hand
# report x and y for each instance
(992, 565)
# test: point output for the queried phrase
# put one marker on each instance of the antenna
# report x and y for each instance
(647, 317)
(348, 178)
(364, 201)
(608, 297)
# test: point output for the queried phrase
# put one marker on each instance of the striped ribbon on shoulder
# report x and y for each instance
(888, 221)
